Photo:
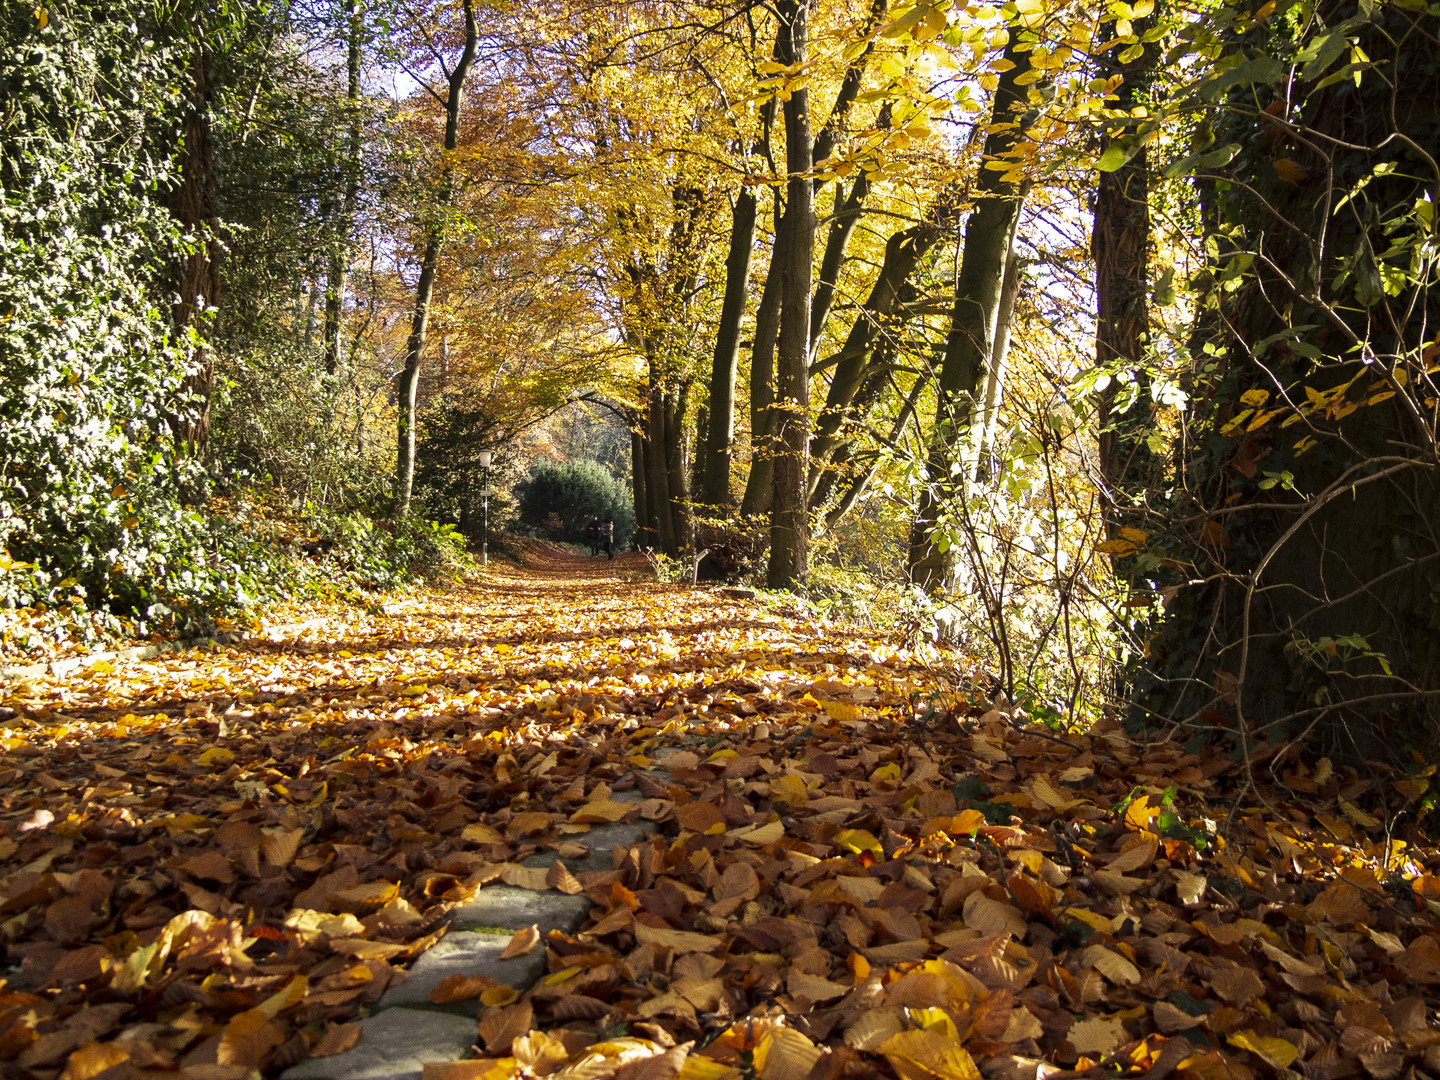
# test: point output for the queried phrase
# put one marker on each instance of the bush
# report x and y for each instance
(574, 491)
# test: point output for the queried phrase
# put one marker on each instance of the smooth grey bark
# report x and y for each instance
(678, 509)
(720, 431)
(758, 485)
(340, 252)
(637, 489)
(989, 243)
(657, 480)
(842, 227)
(995, 377)
(789, 522)
(429, 264)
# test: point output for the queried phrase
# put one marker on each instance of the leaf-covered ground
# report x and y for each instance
(214, 862)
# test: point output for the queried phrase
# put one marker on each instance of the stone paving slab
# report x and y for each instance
(465, 953)
(514, 909)
(394, 1045)
(599, 841)
(408, 1029)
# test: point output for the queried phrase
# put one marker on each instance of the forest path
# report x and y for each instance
(570, 805)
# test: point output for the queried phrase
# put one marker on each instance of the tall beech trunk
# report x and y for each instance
(970, 347)
(759, 484)
(429, 264)
(677, 510)
(340, 252)
(789, 522)
(842, 227)
(197, 274)
(637, 489)
(995, 377)
(720, 432)
(657, 475)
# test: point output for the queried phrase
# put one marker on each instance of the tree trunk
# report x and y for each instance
(340, 252)
(789, 522)
(716, 447)
(1120, 244)
(637, 490)
(842, 227)
(429, 264)
(995, 377)
(989, 242)
(197, 275)
(678, 508)
(762, 387)
(657, 479)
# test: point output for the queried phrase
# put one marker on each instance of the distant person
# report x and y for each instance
(607, 538)
(592, 534)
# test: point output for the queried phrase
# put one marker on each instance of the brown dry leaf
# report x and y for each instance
(527, 823)
(560, 878)
(520, 945)
(337, 1039)
(1112, 965)
(679, 940)
(601, 810)
(738, 880)
(1138, 853)
(1421, 961)
(813, 987)
(1237, 985)
(498, 995)
(665, 1065)
(478, 833)
(248, 1038)
(455, 988)
(1170, 1019)
(539, 1053)
(1098, 1036)
(499, 1028)
(362, 899)
(992, 918)
(525, 877)
(281, 845)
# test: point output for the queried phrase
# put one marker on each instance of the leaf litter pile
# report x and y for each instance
(216, 862)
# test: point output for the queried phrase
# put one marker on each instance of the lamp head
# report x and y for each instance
(485, 458)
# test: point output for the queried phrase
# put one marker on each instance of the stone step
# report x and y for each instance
(408, 1029)
(394, 1045)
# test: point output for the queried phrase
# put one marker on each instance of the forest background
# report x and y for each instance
(1107, 329)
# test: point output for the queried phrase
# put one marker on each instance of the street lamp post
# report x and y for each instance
(485, 458)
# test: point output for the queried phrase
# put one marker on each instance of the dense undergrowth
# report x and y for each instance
(215, 567)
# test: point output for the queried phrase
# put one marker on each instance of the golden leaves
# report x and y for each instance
(811, 862)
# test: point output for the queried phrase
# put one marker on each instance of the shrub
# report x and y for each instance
(574, 491)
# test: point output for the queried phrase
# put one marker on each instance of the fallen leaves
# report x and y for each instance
(216, 861)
